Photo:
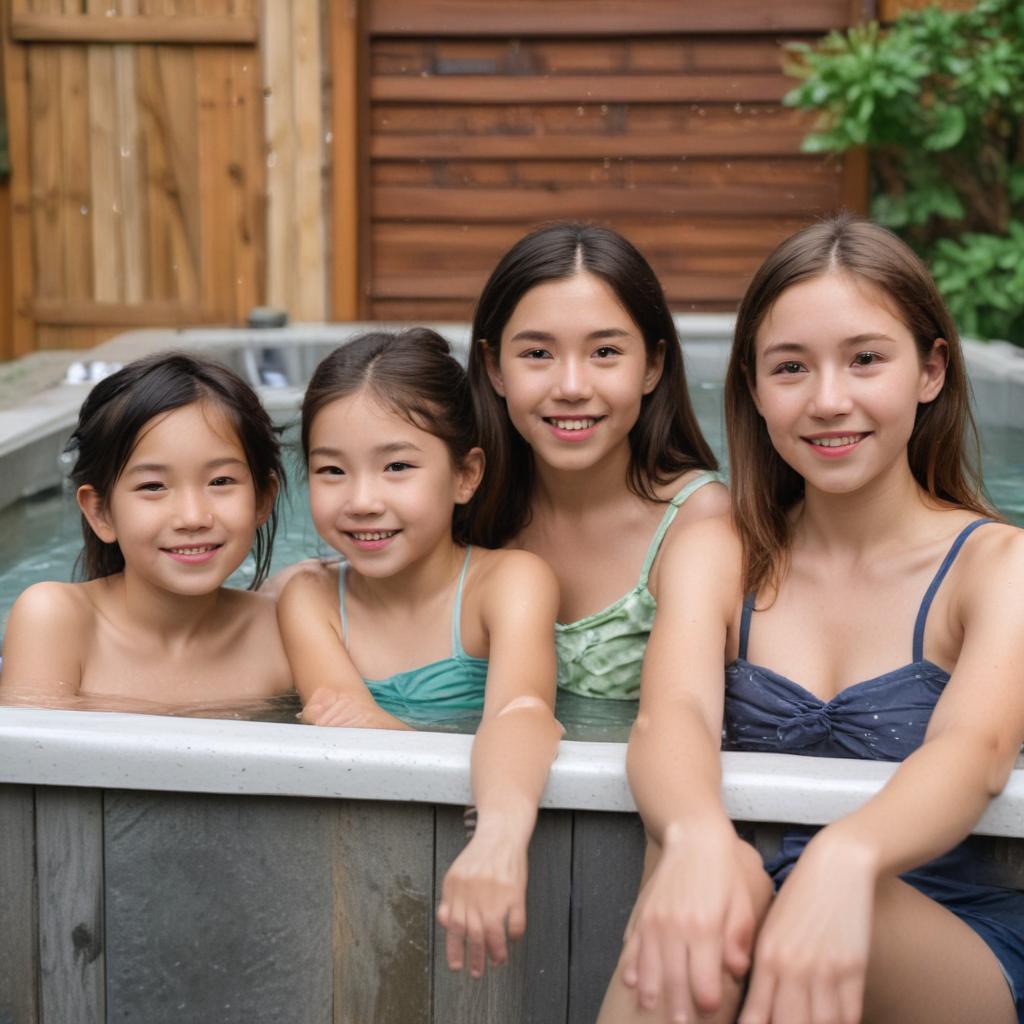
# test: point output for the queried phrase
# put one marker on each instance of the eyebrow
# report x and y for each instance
(605, 332)
(160, 467)
(381, 449)
(795, 347)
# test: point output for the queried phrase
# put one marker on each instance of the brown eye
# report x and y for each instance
(865, 358)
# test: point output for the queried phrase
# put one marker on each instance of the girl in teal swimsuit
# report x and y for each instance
(866, 602)
(418, 620)
(594, 452)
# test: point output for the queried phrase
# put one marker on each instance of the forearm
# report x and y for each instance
(675, 772)
(512, 754)
(929, 805)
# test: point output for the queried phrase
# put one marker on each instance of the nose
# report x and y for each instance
(363, 498)
(831, 395)
(192, 511)
(573, 383)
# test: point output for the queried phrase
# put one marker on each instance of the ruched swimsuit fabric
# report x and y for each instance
(454, 684)
(879, 719)
(601, 655)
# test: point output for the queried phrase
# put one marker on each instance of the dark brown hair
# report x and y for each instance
(411, 372)
(665, 440)
(119, 406)
(943, 452)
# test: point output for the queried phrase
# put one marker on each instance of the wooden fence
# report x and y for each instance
(179, 161)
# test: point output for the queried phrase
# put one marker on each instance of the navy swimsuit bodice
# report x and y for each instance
(880, 719)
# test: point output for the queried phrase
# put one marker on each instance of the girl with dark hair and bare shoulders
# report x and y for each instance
(595, 460)
(870, 604)
(177, 470)
(420, 622)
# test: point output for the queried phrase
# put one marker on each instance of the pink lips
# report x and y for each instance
(835, 451)
(186, 557)
(372, 545)
(573, 436)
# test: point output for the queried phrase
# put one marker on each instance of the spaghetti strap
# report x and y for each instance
(457, 650)
(342, 569)
(706, 477)
(748, 608)
(926, 602)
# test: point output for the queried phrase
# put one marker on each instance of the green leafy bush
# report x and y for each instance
(938, 100)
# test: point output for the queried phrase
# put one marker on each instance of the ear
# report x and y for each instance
(96, 515)
(655, 366)
(265, 505)
(493, 369)
(469, 475)
(933, 371)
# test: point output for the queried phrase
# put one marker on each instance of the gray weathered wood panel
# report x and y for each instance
(532, 987)
(218, 908)
(607, 862)
(383, 865)
(19, 965)
(69, 866)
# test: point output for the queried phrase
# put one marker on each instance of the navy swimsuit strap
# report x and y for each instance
(748, 608)
(926, 603)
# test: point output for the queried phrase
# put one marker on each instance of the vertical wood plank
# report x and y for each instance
(218, 908)
(19, 964)
(383, 863)
(69, 864)
(345, 160)
(310, 266)
(607, 862)
(76, 194)
(532, 988)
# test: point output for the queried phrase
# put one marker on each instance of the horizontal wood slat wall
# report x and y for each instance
(662, 119)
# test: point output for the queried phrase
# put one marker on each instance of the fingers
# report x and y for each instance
(649, 974)
(825, 1003)
(757, 1008)
(517, 921)
(851, 999)
(738, 942)
(476, 950)
(453, 920)
(706, 974)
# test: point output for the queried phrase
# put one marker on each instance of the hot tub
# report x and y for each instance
(174, 869)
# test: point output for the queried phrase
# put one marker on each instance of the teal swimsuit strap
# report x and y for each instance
(457, 651)
(695, 484)
(342, 569)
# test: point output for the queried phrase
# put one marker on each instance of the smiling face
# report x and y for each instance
(838, 381)
(381, 490)
(184, 509)
(573, 369)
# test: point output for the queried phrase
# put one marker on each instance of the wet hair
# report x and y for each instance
(414, 374)
(944, 451)
(666, 439)
(119, 406)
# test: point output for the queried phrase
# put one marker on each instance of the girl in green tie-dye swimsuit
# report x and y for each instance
(595, 458)
(418, 619)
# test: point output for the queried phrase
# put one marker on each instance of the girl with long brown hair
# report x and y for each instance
(861, 538)
(595, 460)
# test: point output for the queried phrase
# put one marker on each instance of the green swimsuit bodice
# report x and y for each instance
(453, 684)
(602, 655)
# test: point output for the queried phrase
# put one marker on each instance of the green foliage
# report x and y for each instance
(938, 100)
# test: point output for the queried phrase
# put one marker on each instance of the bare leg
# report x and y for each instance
(927, 967)
(620, 1002)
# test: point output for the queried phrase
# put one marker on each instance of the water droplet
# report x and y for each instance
(125, 152)
(83, 210)
(328, 137)
(579, 111)
(738, 108)
(604, 108)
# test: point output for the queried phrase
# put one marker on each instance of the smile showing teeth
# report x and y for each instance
(836, 442)
(580, 424)
(373, 535)
(199, 550)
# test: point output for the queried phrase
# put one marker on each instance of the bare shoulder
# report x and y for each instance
(709, 500)
(274, 586)
(509, 574)
(708, 549)
(52, 605)
(992, 565)
(311, 581)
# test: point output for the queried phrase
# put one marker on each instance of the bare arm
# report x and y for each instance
(332, 691)
(512, 754)
(42, 657)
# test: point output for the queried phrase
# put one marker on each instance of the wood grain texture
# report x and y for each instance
(383, 911)
(530, 988)
(601, 903)
(19, 962)
(90, 28)
(72, 940)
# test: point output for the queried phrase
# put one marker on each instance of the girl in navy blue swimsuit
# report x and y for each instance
(871, 605)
